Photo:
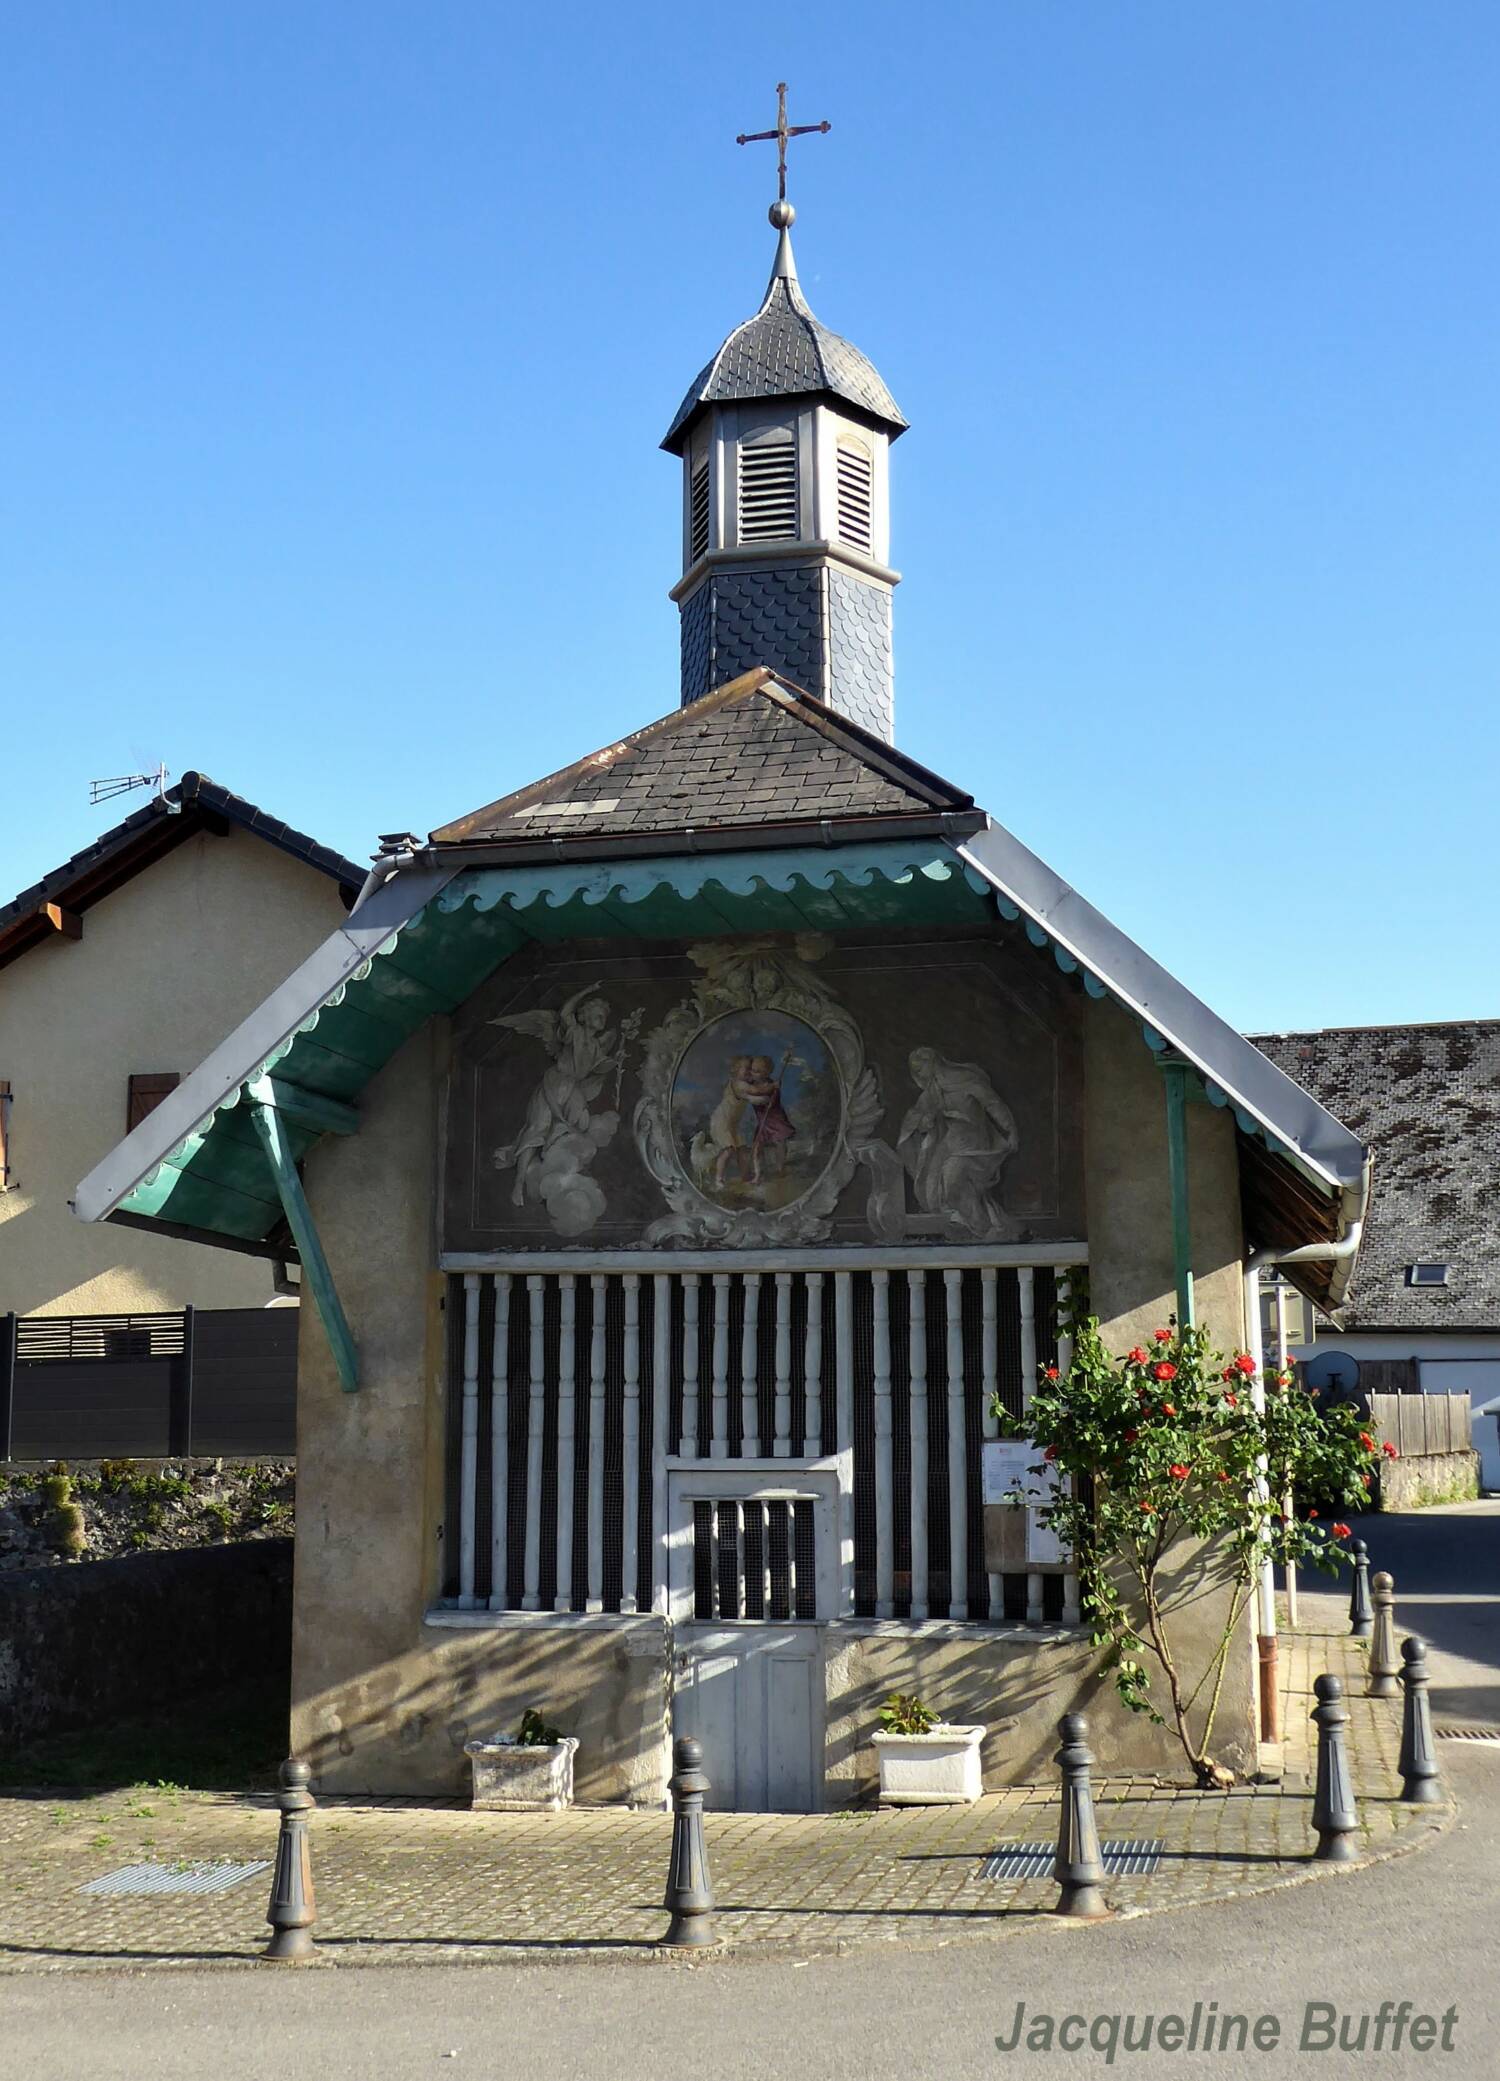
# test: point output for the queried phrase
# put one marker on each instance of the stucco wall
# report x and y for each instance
(368, 1700)
(383, 1701)
(167, 965)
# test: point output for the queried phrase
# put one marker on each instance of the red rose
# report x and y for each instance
(1162, 1336)
(1149, 1509)
(1137, 1355)
(1051, 1372)
(1389, 1450)
(1168, 1409)
(1233, 1401)
(1179, 1473)
(1244, 1363)
(1340, 1531)
(1312, 1513)
(1228, 1373)
(1131, 1436)
(1367, 1441)
(1165, 1371)
(1050, 1453)
(1222, 1475)
(1365, 1479)
(1283, 1379)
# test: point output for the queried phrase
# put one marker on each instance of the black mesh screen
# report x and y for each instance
(484, 1459)
(453, 1418)
(864, 1444)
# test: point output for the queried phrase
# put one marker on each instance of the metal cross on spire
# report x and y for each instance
(781, 134)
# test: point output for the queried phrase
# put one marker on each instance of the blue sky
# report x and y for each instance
(339, 340)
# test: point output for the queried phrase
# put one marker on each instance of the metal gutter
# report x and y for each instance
(949, 825)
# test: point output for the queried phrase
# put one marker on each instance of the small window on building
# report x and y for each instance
(698, 511)
(856, 496)
(1427, 1275)
(4, 1134)
(146, 1094)
(768, 490)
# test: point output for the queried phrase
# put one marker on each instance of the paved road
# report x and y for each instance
(1420, 1928)
(1446, 1565)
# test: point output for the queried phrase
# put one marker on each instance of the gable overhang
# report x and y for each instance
(420, 942)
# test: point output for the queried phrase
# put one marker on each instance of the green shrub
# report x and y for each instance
(905, 1713)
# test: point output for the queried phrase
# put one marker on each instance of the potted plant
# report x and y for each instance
(923, 1761)
(529, 1771)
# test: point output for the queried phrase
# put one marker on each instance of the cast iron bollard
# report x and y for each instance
(1333, 1813)
(292, 1911)
(1385, 1663)
(1077, 1867)
(1361, 1610)
(1418, 1762)
(690, 1890)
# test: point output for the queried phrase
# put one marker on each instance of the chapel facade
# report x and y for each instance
(690, 1155)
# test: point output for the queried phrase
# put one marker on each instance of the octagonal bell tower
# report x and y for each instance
(785, 443)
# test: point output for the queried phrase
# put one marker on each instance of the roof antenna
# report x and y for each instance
(124, 783)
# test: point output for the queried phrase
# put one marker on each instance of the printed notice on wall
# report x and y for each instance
(1013, 1473)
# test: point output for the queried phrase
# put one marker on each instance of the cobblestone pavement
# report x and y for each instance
(403, 1882)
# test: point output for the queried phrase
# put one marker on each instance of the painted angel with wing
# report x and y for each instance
(562, 1134)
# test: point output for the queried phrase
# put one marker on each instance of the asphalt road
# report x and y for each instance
(1421, 1928)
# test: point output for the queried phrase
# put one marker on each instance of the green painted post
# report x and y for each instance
(272, 1131)
(1176, 1074)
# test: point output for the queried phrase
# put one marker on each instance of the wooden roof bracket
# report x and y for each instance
(272, 1104)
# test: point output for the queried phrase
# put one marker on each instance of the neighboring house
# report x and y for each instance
(118, 972)
(1423, 1309)
(684, 1152)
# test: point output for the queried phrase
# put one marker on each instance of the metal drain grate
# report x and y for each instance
(1487, 1734)
(175, 1878)
(1122, 1858)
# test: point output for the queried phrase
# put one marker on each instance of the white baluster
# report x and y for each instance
(1063, 1287)
(990, 1348)
(594, 1600)
(749, 1358)
(719, 1446)
(763, 1511)
(567, 1355)
(469, 1446)
(661, 1414)
(535, 1415)
(630, 1445)
(1026, 1279)
(500, 1447)
(687, 1444)
(885, 1557)
(916, 1286)
(958, 1453)
(812, 1366)
(843, 1377)
(783, 1447)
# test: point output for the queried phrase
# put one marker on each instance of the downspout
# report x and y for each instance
(1176, 1075)
(1267, 1645)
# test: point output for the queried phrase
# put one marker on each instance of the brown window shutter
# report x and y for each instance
(146, 1094)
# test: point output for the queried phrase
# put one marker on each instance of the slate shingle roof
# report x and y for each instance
(784, 352)
(754, 753)
(122, 851)
(1426, 1099)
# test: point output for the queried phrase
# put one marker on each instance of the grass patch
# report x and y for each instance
(227, 1741)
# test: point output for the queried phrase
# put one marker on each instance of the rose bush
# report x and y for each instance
(1168, 1448)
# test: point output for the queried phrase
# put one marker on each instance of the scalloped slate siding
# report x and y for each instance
(859, 648)
(739, 619)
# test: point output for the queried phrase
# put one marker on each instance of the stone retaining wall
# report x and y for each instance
(1418, 1480)
(118, 1640)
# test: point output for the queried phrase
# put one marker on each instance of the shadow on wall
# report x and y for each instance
(401, 1727)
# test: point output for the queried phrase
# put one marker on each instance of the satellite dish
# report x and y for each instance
(1332, 1373)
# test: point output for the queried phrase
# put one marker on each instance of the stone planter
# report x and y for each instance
(938, 1768)
(515, 1777)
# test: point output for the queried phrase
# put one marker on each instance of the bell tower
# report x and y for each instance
(785, 443)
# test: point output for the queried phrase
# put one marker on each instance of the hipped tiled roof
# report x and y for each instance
(757, 752)
(1426, 1100)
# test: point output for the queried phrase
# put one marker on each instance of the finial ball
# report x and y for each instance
(782, 215)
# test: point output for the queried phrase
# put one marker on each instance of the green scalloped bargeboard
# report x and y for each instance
(218, 1180)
